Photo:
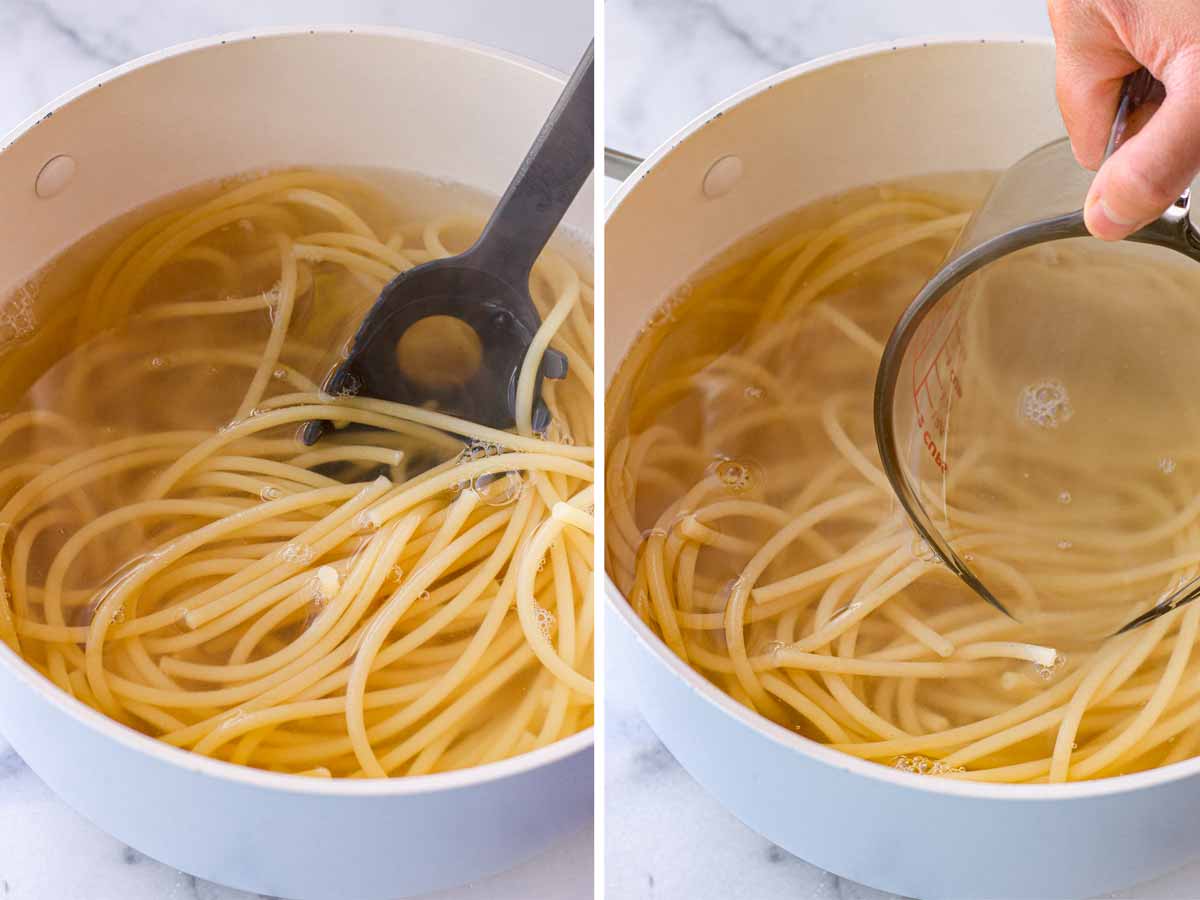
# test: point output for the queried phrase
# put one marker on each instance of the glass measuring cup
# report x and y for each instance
(1036, 398)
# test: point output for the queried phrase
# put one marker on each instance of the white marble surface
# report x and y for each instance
(668, 61)
(48, 852)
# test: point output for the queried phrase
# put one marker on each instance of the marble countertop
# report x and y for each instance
(667, 62)
(47, 851)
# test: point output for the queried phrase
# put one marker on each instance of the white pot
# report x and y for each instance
(869, 115)
(330, 97)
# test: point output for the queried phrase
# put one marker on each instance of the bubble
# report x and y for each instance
(296, 552)
(424, 596)
(318, 592)
(279, 374)
(545, 620)
(118, 615)
(1046, 673)
(396, 574)
(771, 648)
(667, 311)
(350, 386)
(159, 362)
(1166, 465)
(269, 493)
(273, 295)
(558, 433)
(923, 765)
(1064, 497)
(541, 566)
(17, 319)
(1046, 404)
(365, 522)
(920, 549)
(968, 557)
(498, 488)
(754, 392)
(735, 474)
(477, 450)
(1064, 545)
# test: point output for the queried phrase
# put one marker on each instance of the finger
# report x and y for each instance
(1150, 170)
(1087, 103)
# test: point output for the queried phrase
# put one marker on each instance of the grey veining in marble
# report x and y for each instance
(668, 61)
(47, 851)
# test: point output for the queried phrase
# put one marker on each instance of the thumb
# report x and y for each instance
(1151, 169)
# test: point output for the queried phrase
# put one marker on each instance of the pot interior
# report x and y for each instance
(863, 118)
(378, 98)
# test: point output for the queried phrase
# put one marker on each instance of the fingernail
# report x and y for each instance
(1112, 216)
(1103, 222)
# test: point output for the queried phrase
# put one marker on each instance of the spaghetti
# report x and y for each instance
(751, 527)
(414, 594)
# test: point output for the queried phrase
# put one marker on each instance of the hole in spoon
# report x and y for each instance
(439, 352)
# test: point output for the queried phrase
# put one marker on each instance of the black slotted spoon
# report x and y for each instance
(486, 287)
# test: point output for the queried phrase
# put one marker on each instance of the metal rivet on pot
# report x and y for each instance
(55, 175)
(722, 176)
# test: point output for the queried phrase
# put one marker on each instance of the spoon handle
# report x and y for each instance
(550, 176)
(1137, 89)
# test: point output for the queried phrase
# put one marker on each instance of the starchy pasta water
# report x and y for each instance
(750, 525)
(412, 594)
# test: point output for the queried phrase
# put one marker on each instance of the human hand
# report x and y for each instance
(1099, 42)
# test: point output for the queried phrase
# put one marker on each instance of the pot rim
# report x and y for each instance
(280, 782)
(619, 604)
(285, 31)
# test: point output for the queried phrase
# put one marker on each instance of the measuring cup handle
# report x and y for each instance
(1136, 90)
(1175, 223)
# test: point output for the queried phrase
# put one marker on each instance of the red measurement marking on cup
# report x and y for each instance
(937, 361)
